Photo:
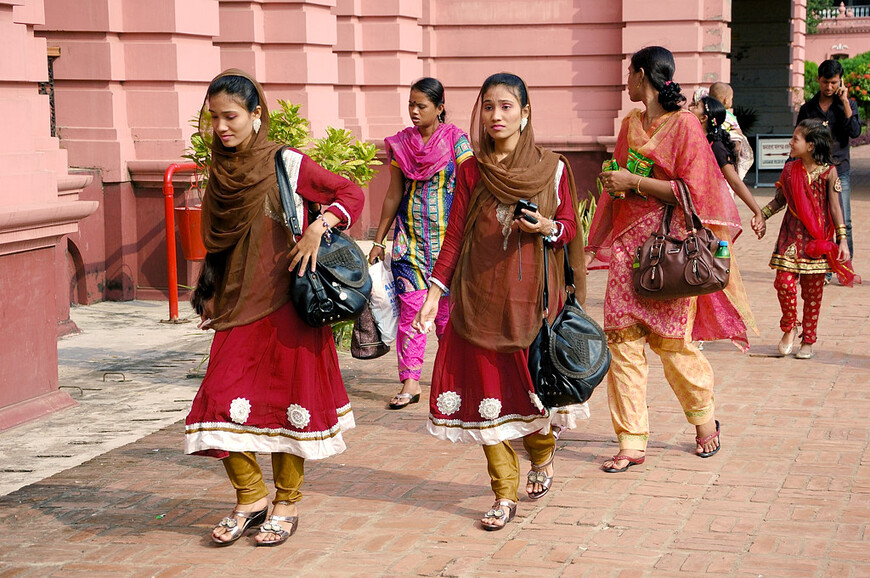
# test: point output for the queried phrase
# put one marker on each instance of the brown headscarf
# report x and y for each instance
(497, 289)
(233, 220)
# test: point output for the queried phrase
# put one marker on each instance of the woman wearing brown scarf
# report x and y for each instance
(492, 264)
(273, 383)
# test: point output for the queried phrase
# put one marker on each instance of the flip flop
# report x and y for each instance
(400, 396)
(702, 441)
(631, 462)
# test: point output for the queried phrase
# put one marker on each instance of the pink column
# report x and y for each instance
(379, 48)
(696, 32)
(288, 47)
(38, 205)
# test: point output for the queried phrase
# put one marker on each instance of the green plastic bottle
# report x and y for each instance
(723, 252)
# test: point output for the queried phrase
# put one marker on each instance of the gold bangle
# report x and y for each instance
(766, 212)
(841, 230)
(637, 187)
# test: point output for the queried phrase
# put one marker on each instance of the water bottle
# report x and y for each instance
(723, 252)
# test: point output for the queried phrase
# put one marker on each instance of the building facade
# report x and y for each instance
(108, 87)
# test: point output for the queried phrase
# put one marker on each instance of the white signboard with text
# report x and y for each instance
(771, 153)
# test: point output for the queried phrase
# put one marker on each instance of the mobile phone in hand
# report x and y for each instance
(529, 206)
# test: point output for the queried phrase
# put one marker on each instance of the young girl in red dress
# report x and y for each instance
(273, 383)
(804, 252)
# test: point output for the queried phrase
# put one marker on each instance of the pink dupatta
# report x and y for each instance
(420, 161)
(679, 148)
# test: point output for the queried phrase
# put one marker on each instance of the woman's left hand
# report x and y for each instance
(304, 252)
(544, 226)
(621, 180)
(844, 255)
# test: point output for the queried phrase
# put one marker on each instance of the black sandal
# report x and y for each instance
(404, 396)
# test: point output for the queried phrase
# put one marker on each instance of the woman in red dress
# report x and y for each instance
(492, 264)
(273, 383)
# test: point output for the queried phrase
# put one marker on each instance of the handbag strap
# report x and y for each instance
(569, 276)
(693, 222)
(291, 219)
(684, 199)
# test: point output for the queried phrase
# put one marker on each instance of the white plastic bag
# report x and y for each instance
(385, 302)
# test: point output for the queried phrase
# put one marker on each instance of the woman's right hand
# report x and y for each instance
(206, 315)
(425, 317)
(375, 254)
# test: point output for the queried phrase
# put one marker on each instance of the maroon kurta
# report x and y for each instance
(273, 384)
(480, 395)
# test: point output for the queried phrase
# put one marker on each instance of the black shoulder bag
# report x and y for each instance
(570, 358)
(340, 287)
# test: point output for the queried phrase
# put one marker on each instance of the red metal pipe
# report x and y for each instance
(169, 209)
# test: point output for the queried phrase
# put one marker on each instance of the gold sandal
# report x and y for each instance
(537, 475)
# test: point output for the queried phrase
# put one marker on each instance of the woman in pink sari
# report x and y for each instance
(658, 145)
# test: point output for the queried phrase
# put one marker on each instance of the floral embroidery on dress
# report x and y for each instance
(298, 416)
(536, 401)
(490, 408)
(791, 251)
(240, 409)
(505, 215)
(448, 402)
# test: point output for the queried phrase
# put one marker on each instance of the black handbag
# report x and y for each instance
(570, 358)
(340, 287)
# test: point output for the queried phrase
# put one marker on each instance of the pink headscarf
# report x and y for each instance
(420, 161)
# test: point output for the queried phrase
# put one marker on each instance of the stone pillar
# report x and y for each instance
(288, 47)
(38, 205)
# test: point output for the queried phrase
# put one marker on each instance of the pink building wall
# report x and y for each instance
(131, 74)
(39, 204)
(840, 36)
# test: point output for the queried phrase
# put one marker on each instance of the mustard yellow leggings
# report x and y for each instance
(504, 465)
(247, 478)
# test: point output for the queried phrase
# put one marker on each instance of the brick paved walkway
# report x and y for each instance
(788, 495)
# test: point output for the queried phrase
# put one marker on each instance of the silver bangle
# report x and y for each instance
(381, 245)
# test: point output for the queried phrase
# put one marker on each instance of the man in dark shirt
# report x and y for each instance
(833, 106)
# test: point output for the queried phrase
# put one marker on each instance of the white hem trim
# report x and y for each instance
(234, 438)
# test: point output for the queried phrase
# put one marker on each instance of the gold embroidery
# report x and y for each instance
(837, 186)
(791, 252)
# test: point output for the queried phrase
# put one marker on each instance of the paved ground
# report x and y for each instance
(103, 488)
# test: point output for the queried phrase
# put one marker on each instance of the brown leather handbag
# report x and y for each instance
(669, 268)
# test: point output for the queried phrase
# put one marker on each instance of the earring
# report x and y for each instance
(257, 124)
(523, 124)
